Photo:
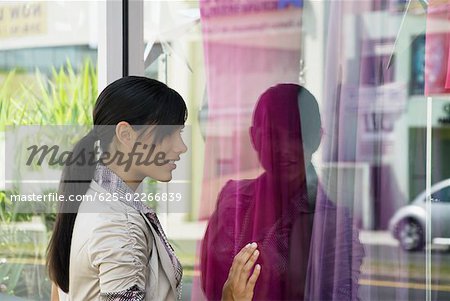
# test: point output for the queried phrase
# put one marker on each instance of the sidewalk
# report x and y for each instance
(377, 238)
(196, 230)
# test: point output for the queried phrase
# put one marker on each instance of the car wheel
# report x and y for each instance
(410, 235)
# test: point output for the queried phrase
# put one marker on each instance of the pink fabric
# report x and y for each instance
(306, 254)
(248, 46)
(274, 210)
(447, 79)
(261, 210)
(335, 254)
(437, 48)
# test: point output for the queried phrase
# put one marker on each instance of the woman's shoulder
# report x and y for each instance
(113, 241)
(99, 200)
(241, 188)
(103, 217)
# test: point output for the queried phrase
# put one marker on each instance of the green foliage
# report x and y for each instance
(66, 98)
(8, 213)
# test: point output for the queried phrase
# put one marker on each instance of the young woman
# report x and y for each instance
(113, 247)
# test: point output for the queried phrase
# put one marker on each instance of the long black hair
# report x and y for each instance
(134, 99)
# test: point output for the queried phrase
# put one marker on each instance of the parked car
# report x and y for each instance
(408, 223)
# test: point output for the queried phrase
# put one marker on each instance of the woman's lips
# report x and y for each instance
(172, 164)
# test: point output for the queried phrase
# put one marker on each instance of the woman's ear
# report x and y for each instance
(125, 134)
(255, 137)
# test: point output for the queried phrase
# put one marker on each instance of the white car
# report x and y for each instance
(408, 223)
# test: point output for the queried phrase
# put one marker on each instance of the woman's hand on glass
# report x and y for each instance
(241, 282)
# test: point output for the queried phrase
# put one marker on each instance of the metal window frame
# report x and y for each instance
(120, 40)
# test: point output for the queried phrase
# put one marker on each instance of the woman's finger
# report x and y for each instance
(245, 272)
(234, 263)
(253, 278)
(240, 260)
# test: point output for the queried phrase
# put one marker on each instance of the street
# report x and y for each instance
(389, 273)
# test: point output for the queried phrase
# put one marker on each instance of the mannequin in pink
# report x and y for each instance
(278, 208)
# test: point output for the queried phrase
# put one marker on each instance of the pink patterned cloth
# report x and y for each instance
(309, 248)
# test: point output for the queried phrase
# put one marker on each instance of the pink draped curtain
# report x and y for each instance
(307, 228)
(309, 243)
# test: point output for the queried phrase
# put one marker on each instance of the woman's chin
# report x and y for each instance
(164, 178)
(161, 174)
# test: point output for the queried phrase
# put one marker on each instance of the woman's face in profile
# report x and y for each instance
(163, 156)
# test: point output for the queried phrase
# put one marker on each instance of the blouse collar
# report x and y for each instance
(112, 183)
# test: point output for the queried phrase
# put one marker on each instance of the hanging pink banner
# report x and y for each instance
(437, 48)
(243, 57)
(215, 8)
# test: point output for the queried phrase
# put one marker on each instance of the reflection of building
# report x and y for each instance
(44, 58)
(383, 124)
(45, 34)
(249, 46)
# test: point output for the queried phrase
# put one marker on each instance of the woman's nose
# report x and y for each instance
(181, 147)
